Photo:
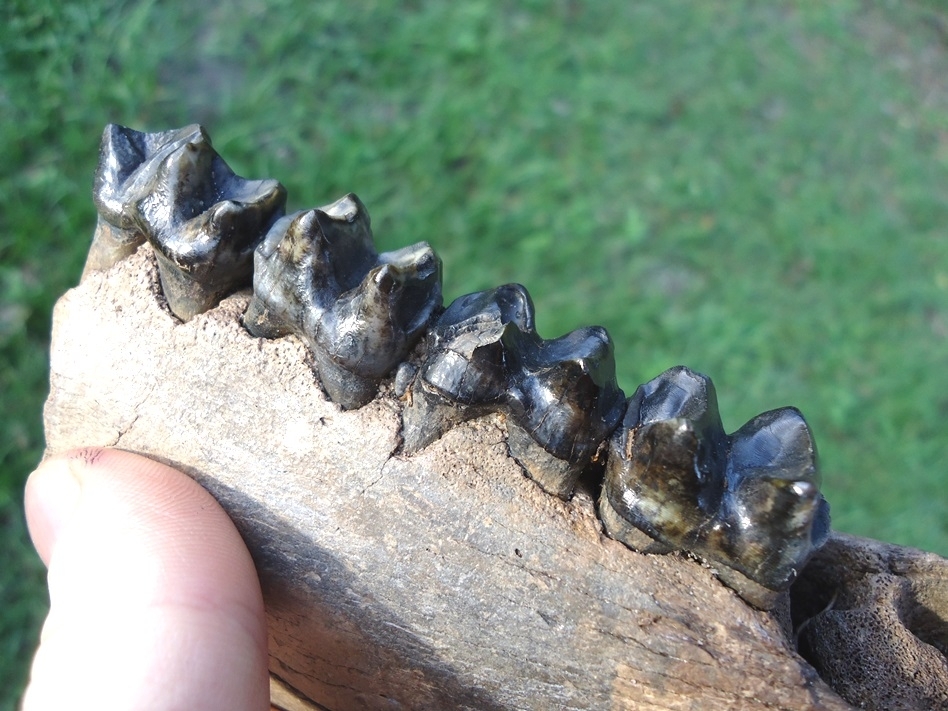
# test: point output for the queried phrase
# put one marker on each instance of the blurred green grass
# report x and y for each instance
(758, 191)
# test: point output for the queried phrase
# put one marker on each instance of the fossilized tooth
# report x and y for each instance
(370, 329)
(749, 504)
(174, 190)
(204, 222)
(127, 161)
(464, 374)
(776, 504)
(674, 443)
(560, 396)
(564, 403)
(305, 261)
(317, 274)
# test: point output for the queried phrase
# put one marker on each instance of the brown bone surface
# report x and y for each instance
(442, 580)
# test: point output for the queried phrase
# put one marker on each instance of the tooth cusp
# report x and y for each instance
(203, 220)
(560, 397)
(749, 504)
(565, 392)
(318, 275)
(783, 518)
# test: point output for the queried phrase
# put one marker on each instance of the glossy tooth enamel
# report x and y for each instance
(317, 275)
(204, 221)
(748, 504)
(560, 396)
(127, 160)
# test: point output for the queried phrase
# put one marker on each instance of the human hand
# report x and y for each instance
(155, 602)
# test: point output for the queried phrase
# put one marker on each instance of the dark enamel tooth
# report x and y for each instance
(204, 223)
(464, 374)
(563, 403)
(776, 502)
(305, 261)
(748, 504)
(675, 443)
(127, 160)
(371, 328)
(317, 274)
(173, 189)
(560, 396)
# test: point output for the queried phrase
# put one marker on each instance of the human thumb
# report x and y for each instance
(155, 603)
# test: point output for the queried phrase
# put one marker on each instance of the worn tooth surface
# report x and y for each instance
(371, 328)
(560, 396)
(464, 374)
(317, 274)
(676, 446)
(127, 160)
(776, 506)
(204, 222)
(749, 504)
(173, 189)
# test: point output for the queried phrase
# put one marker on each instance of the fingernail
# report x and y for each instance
(52, 494)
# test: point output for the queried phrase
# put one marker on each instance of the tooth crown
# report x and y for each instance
(466, 361)
(560, 396)
(126, 162)
(749, 503)
(173, 189)
(317, 274)
(564, 391)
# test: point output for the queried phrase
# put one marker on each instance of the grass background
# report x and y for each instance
(756, 190)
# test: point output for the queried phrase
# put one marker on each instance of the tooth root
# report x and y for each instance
(464, 374)
(404, 376)
(110, 245)
(560, 396)
(317, 274)
(554, 475)
(427, 416)
(749, 504)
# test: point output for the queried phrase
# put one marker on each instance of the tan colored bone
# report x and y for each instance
(438, 581)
